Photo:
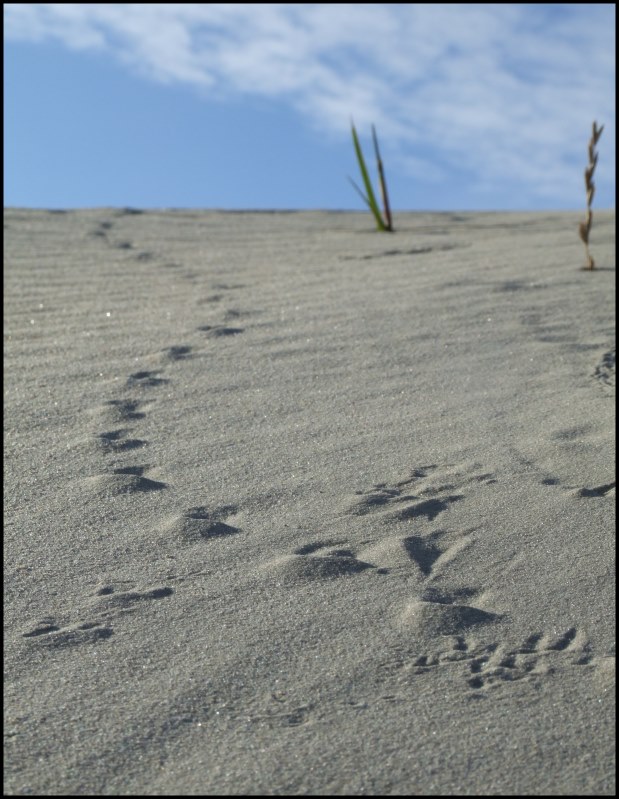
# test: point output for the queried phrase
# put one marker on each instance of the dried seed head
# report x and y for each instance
(597, 132)
(585, 227)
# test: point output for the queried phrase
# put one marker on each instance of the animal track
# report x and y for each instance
(105, 605)
(115, 441)
(115, 437)
(429, 552)
(47, 634)
(492, 664)
(433, 594)
(382, 496)
(437, 614)
(126, 480)
(520, 285)
(177, 353)
(101, 230)
(605, 369)
(602, 490)
(218, 331)
(426, 492)
(145, 379)
(308, 549)
(306, 565)
(388, 253)
(606, 490)
(499, 664)
(428, 499)
(109, 598)
(123, 410)
(201, 524)
(423, 551)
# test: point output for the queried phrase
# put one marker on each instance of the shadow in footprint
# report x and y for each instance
(307, 549)
(128, 480)
(125, 409)
(54, 637)
(177, 353)
(108, 598)
(598, 491)
(113, 440)
(200, 524)
(431, 619)
(433, 594)
(145, 379)
(423, 551)
(563, 641)
(430, 508)
(218, 331)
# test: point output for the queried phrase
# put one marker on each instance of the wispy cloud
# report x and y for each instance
(496, 92)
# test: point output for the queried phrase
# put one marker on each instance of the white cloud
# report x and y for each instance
(503, 92)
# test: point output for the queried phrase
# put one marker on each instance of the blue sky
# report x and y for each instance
(477, 107)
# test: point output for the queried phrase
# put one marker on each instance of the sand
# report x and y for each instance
(296, 507)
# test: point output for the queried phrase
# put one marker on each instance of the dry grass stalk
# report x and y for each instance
(585, 227)
(383, 183)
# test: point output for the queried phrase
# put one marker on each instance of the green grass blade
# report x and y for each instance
(383, 183)
(371, 199)
(359, 192)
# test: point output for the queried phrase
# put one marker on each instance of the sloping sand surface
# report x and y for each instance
(295, 507)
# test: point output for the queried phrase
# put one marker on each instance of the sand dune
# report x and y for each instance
(294, 507)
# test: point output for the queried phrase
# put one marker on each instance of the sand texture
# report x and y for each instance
(296, 507)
